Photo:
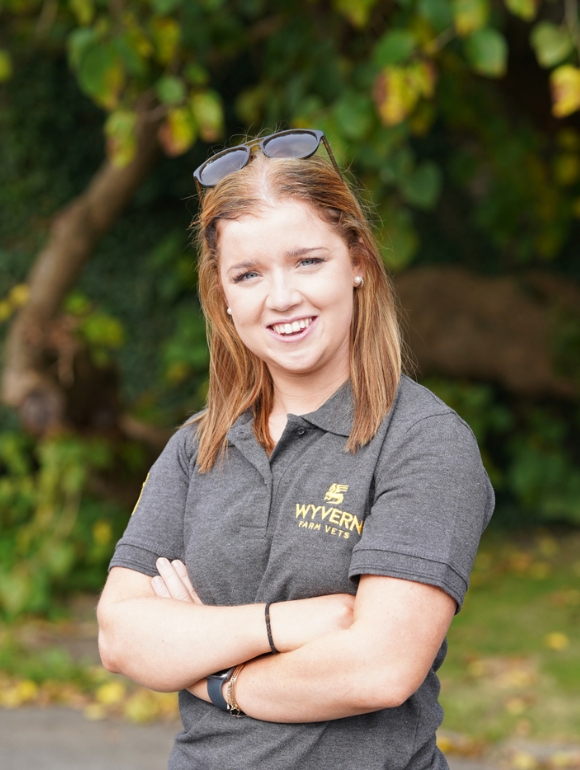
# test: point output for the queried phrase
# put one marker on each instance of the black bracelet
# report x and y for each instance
(269, 629)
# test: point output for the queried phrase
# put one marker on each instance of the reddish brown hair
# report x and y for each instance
(239, 380)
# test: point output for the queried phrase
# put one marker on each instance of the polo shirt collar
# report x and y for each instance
(336, 415)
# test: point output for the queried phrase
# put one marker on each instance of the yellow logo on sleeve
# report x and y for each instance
(335, 493)
(140, 495)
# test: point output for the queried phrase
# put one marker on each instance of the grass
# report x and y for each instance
(513, 668)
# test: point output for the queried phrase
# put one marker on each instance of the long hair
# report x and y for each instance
(238, 379)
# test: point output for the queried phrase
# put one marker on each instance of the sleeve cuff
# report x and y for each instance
(392, 564)
(138, 559)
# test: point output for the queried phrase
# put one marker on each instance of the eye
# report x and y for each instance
(245, 276)
(310, 261)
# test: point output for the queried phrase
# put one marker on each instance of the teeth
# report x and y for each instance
(295, 326)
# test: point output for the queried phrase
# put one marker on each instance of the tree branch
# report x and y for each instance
(74, 234)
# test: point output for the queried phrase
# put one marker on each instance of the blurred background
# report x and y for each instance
(460, 122)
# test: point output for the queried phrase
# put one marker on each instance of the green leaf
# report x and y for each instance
(207, 110)
(196, 74)
(5, 66)
(394, 47)
(84, 11)
(470, 15)
(354, 113)
(170, 90)
(551, 43)
(525, 9)
(487, 52)
(438, 13)
(423, 186)
(121, 137)
(165, 7)
(101, 75)
(79, 44)
(565, 86)
(356, 11)
(130, 49)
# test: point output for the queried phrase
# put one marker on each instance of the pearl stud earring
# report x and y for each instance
(229, 311)
(359, 281)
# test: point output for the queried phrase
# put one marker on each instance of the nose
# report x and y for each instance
(282, 293)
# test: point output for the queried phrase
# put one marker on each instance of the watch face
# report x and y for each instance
(219, 674)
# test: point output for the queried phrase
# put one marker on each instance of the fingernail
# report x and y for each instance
(162, 561)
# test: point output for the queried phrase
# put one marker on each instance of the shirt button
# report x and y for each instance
(301, 431)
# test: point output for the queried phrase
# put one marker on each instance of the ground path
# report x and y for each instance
(62, 739)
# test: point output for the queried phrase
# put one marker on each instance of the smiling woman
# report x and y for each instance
(300, 547)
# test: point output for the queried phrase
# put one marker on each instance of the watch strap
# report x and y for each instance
(215, 683)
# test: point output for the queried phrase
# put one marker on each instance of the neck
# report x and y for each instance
(301, 395)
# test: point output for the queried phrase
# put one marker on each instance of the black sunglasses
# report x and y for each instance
(297, 143)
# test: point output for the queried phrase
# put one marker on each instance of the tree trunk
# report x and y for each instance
(516, 331)
(31, 383)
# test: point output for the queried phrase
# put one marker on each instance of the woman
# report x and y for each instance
(300, 548)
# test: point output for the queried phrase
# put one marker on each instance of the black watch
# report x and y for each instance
(215, 682)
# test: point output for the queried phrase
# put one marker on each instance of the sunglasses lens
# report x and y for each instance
(221, 166)
(301, 144)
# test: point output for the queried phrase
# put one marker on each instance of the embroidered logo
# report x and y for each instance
(335, 493)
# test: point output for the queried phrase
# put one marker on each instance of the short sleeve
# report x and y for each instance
(156, 526)
(432, 501)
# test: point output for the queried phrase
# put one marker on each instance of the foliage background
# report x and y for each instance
(460, 121)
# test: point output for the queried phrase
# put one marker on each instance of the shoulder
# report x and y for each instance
(182, 446)
(417, 409)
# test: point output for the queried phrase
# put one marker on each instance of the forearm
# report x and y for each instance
(378, 662)
(327, 679)
(163, 643)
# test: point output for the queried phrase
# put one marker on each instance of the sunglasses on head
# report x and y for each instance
(297, 143)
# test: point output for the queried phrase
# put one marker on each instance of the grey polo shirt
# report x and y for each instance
(307, 521)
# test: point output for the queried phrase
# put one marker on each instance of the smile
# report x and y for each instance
(292, 328)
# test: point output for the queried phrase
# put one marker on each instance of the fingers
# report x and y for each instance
(159, 587)
(173, 582)
(181, 570)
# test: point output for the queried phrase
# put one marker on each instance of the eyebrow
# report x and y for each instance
(249, 264)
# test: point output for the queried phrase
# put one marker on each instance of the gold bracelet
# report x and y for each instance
(230, 696)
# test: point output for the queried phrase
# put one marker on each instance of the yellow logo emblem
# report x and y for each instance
(335, 493)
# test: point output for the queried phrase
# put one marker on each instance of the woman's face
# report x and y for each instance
(288, 279)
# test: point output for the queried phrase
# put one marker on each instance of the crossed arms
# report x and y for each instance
(340, 655)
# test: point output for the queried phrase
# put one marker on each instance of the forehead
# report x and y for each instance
(288, 225)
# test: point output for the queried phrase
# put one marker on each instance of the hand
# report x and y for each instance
(173, 582)
(295, 623)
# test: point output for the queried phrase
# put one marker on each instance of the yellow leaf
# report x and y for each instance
(5, 66)
(565, 86)
(556, 641)
(523, 760)
(398, 89)
(141, 707)
(102, 532)
(470, 15)
(19, 295)
(84, 10)
(206, 108)
(525, 9)
(177, 133)
(356, 11)
(166, 34)
(5, 310)
(111, 693)
(121, 138)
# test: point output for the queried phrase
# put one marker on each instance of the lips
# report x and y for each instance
(292, 328)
